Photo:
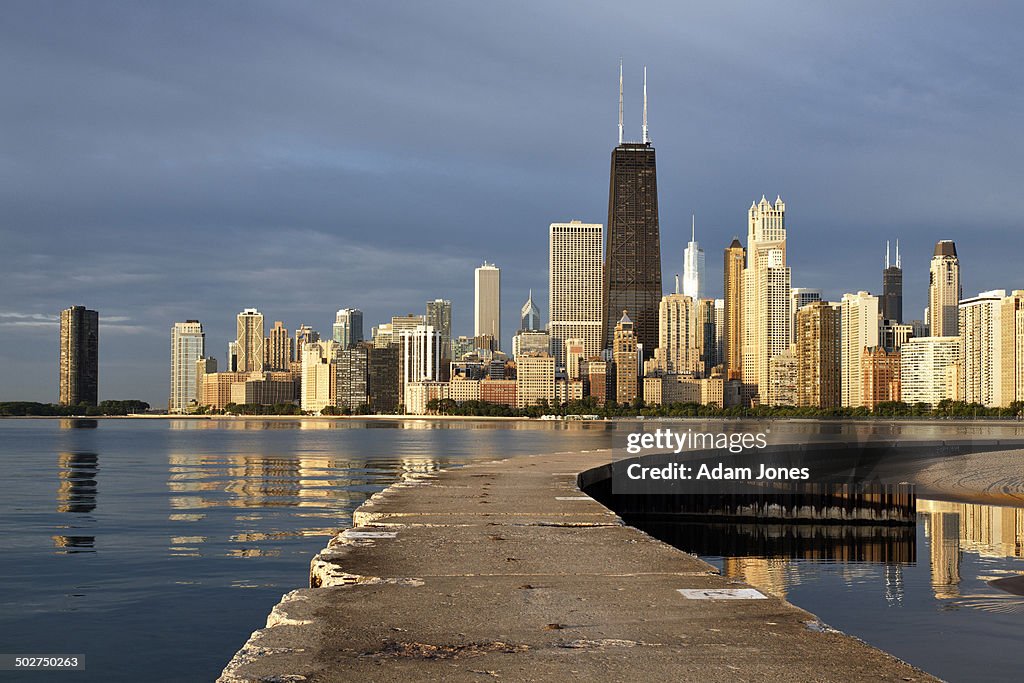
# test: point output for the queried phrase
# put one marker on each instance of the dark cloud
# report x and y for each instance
(186, 160)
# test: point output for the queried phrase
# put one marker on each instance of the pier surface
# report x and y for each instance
(507, 571)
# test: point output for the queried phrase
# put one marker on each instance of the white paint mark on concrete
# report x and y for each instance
(721, 594)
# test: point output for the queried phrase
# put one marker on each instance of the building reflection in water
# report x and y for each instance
(76, 495)
(989, 531)
(768, 556)
(272, 492)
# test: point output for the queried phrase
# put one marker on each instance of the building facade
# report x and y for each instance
(818, 353)
(860, 328)
(421, 356)
(348, 327)
(439, 316)
(944, 291)
(986, 364)
(677, 350)
(880, 376)
(535, 379)
(632, 262)
(79, 361)
(277, 349)
(574, 292)
(925, 369)
(487, 302)
(735, 262)
(892, 287)
(319, 376)
(798, 298)
(249, 341)
(693, 266)
(627, 361)
(188, 345)
(767, 325)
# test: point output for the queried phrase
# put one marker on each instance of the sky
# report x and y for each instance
(169, 161)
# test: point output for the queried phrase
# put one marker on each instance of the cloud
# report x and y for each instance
(164, 162)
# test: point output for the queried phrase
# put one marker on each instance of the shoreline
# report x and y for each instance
(1003, 421)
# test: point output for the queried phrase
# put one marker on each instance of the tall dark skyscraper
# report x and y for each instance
(892, 287)
(79, 356)
(632, 260)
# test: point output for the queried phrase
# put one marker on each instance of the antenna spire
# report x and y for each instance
(899, 263)
(887, 254)
(646, 139)
(620, 101)
(693, 227)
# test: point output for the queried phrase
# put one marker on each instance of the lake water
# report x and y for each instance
(155, 547)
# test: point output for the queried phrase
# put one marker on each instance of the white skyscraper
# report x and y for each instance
(487, 303)
(766, 289)
(575, 257)
(925, 369)
(860, 325)
(986, 352)
(421, 357)
(693, 265)
(188, 345)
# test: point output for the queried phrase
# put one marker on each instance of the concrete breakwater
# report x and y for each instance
(507, 570)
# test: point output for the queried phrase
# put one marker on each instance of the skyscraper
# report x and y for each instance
(529, 315)
(79, 356)
(304, 334)
(677, 351)
(986, 352)
(735, 259)
(188, 345)
(860, 327)
(487, 302)
(250, 341)
(924, 369)
(574, 303)
(627, 360)
(767, 325)
(818, 355)
(632, 263)
(944, 290)
(892, 287)
(439, 315)
(319, 377)
(798, 298)
(348, 327)
(421, 357)
(278, 352)
(693, 265)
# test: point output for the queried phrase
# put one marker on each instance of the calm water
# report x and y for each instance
(921, 594)
(156, 547)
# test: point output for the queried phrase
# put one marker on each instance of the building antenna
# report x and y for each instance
(646, 139)
(693, 227)
(620, 100)
(899, 264)
(677, 283)
(887, 254)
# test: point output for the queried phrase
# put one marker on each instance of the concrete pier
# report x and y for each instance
(507, 571)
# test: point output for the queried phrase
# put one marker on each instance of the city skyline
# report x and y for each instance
(123, 251)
